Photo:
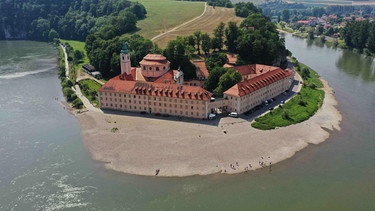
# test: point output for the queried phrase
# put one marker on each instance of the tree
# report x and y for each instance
(217, 59)
(175, 53)
(310, 34)
(261, 45)
(213, 78)
(40, 29)
(218, 40)
(206, 43)
(78, 55)
(52, 35)
(138, 9)
(226, 81)
(198, 39)
(232, 33)
(285, 15)
(305, 73)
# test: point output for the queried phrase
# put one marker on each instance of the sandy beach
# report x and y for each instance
(146, 143)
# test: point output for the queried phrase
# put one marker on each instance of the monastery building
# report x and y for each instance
(155, 88)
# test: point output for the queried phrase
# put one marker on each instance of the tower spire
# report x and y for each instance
(125, 59)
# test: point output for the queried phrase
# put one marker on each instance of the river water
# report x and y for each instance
(44, 165)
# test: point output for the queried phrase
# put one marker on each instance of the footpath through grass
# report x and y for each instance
(90, 88)
(304, 105)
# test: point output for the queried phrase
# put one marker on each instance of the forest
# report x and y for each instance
(46, 20)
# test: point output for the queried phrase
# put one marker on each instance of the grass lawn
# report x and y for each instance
(298, 109)
(163, 15)
(90, 88)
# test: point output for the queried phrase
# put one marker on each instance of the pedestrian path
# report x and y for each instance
(76, 88)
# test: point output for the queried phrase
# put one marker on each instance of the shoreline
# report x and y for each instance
(144, 144)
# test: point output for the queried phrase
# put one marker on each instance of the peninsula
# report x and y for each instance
(155, 123)
(149, 144)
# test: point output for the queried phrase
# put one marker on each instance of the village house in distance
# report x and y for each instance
(155, 88)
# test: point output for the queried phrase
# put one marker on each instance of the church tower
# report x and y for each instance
(125, 60)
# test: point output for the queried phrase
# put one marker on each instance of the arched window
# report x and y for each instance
(150, 68)
(157, 68)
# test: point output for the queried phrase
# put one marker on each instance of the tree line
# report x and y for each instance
(359, 35)
(45, 20)
(218, 3)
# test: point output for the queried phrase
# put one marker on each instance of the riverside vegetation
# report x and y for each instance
(67, 84)
(299, 108)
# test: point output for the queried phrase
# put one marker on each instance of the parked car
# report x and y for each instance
(282, 102)
(233, 114)
(211, 116)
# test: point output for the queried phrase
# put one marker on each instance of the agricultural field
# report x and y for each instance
(163, 15)
(171, 17)
(332, 2)
(206, 23)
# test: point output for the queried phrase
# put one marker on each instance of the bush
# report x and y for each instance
(302, 103)
(68, 92)
(77, 103)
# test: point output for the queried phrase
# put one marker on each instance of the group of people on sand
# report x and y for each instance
(262, 163)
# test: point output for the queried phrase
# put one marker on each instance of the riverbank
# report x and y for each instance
(142, 145)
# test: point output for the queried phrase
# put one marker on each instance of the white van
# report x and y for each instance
(211, 116)
(233, 114)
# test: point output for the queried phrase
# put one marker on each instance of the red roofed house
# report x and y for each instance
(154, 88)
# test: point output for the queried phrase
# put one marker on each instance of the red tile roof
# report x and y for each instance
(231, 59)
(154, 59)
(247, 86)
(130, 77)
(116, 85)
(201, 67)
(254, 69)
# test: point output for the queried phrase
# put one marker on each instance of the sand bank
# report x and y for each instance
(145, 143)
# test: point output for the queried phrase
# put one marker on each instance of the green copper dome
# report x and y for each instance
(124, 49)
